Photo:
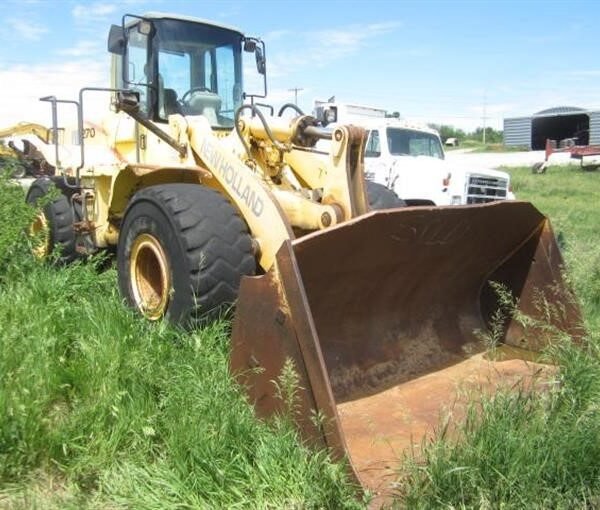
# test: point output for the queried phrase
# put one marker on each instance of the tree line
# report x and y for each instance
(491, 135)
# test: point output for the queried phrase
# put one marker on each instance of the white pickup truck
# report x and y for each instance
(409, 159)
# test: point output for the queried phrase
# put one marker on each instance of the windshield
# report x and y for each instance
(191, 68)
(413, 143)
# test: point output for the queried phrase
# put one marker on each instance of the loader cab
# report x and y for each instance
(179, 65)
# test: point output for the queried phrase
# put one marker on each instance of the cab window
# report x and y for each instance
(373, 149)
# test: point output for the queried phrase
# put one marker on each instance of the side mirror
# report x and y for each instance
(256, 46)
(127, 101)
(249, 45)
(261, 63)
(116, 40)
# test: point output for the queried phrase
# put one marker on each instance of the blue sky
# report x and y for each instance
(433, 61)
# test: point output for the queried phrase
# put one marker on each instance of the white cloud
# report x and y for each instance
(316, 49)
(585, 73)
(276, 35)
(82, 49)
(24, 85)
(92, 12)
(331, 44)
(230, 11)
(27, 29)
(349, 39)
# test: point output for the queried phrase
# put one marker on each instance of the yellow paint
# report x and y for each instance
(274, 189)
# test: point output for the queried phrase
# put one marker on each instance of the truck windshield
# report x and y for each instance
(199, 70)
(407, 142)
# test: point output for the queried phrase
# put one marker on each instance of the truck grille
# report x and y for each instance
(482, 189)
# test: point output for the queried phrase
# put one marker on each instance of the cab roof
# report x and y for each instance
(392, 122)
(165, 15)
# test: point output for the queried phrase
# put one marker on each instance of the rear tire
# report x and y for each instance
(54, 223)
(18, 171)
(182, 252)
(539, 168)
(381, 197)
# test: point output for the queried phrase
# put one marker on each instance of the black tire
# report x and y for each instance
(18, 171)
(381, 197)
(58, 216)
(182, 252)
(539, 168)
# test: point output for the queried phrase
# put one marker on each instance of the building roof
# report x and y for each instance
(560, 110)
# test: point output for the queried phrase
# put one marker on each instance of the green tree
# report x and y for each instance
(447, 131)
(491, 135)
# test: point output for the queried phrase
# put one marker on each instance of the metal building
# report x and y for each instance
(560, 123)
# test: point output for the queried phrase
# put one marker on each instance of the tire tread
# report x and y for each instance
(215, 243)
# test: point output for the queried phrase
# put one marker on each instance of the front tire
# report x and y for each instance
(182, 253)
(381, 197)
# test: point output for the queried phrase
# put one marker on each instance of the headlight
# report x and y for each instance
(456, 199)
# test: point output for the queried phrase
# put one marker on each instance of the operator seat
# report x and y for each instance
(207, 104)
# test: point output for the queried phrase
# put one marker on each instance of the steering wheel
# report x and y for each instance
(185, 97)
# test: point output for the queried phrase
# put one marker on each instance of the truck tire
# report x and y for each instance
(182, 252)
(54, 223)
(539, 168)
(381, 197)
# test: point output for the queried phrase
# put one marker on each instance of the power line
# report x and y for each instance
(295, 90)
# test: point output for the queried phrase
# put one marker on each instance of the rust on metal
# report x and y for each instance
(384, 428)
(84, 227)
(150, 277)
(576, 151)
(579, 151)
(382, 315)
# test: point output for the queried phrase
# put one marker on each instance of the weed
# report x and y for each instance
(113, 411)
(287, 387)
(16, 216)
(533, 449)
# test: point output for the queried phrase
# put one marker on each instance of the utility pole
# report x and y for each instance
(295, 90)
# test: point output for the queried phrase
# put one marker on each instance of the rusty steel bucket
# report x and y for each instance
(379, 317)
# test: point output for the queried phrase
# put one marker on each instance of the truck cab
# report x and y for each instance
(409, 159)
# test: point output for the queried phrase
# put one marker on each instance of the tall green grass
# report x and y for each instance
(99, 409)
(527, 449)
(569, 196)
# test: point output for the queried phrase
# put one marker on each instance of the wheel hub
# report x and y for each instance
(40, 235)
(150, 276)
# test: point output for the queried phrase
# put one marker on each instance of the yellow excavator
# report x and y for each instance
(25, 161)
(210, 197)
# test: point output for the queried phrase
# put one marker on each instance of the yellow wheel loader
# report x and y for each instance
(210, 197)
